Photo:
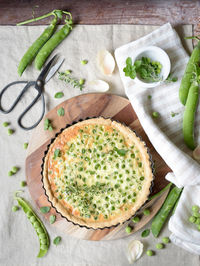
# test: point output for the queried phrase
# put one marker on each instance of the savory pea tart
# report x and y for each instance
(97, 173)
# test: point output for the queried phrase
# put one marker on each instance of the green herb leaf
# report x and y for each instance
(45, 209)
(129, 61)
(129, 70)
(52, 219)
(145, 233)
(137, 63)
(57, 240)
(61, 111)
(47, 125)
(59, 95)
(121, 152)
(57, 153)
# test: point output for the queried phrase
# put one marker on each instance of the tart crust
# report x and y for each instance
(131, 138)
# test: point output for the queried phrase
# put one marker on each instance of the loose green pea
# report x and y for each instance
(23, 183)
(68, 71)
(136, 219)
(15, 169)
(25, 145)
(150, 253)
(15, 208)
(192, 219)
(165, 240)
(10, 173)
(10, 131)
(32, 219)
(36, 224)
(128, 229)
(195, 208)
(159, 246)
(5, 124)
(84, 62)
(81, 81)
(155, 114)
(146, 212)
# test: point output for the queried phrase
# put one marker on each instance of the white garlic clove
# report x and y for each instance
(105, 62)
(196, 153)
(98, 85)
(135, 250)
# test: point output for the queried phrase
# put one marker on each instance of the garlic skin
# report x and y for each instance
(106, 62)
(134, 250)
(98, 85)
(196, 153)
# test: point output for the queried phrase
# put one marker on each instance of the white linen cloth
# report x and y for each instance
(165, 133)
(18, 242)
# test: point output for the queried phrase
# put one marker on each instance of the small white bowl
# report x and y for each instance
(155, 54)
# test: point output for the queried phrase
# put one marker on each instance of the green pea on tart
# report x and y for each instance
(97, 173)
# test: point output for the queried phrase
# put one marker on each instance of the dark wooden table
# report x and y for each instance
(154, 12)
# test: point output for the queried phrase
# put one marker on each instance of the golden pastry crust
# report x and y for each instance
(128, 155)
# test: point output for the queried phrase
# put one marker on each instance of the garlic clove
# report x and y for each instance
(98, 85)
(105, 62)
(134, 251)
(196, 153)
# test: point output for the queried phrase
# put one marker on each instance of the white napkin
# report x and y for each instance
(165, 133)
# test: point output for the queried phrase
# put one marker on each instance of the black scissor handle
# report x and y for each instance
(28, 84)
(28, 108)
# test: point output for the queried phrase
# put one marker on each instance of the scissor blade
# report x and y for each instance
(54, 69)
(46, 69)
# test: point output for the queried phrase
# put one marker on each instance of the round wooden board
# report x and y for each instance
(81, 107)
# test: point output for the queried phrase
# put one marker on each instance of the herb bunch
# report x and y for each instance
(147, 69)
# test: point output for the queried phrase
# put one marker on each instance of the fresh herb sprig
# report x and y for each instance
(66, 76)
(147, 69)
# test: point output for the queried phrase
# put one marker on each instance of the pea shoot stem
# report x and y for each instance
(16, 193)
(54, 12)
(193, 38)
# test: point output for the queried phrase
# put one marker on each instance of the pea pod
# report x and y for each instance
(189, 115)
(53, 42)
(35, 47)
(165, 210)
(187, 77)
(160, 192)
(37, 224)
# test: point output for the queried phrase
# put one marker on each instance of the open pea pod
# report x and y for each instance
(37, 224)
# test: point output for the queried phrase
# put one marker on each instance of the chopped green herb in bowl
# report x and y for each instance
(148, 67)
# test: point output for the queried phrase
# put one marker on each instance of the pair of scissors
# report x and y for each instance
(46, 74)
